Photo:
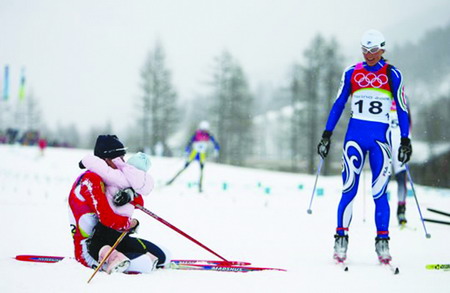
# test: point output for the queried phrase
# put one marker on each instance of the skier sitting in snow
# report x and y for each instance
(96, 226)
(196, 150)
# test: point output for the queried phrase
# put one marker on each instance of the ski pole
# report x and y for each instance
(315, 184)
(108, 254)
(427, 235)
(148, 212)
(176, 175)
(200, 181)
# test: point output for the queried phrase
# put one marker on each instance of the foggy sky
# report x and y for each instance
(83, 57)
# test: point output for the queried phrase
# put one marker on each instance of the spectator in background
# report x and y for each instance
(42, 143)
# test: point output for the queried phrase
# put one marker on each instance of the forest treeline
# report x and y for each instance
(266, 126)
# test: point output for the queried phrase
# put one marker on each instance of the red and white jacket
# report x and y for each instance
(89, 205)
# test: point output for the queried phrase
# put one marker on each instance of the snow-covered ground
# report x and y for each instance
(259, 217)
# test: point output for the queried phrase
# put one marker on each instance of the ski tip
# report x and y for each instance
(396, 271)
(346, 269)
(38, 258)
(444, 267)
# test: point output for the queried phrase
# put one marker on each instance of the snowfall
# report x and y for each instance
(243, 214)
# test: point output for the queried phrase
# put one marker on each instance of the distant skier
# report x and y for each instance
(196, 150)
(398, 167)
(96, 226)
(373, 85)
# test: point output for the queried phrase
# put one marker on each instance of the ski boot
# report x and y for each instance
(401, 214)
(117, 262)
(382, 250)
(340, 247)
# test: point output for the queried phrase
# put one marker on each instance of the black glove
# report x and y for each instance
(405, 150)
(324, 144)
(124, 196)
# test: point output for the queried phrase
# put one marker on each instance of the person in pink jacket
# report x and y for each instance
(133, 174)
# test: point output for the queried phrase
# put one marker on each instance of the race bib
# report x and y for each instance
(371, 105)
(200, 146)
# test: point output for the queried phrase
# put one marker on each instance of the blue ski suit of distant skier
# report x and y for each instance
(372, 89)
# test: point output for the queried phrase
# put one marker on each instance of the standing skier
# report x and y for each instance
(373, 85)
(398, 167)
(196, 150)
(95, 226)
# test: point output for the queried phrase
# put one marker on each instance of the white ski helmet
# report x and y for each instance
(204, 125)
(373, 38)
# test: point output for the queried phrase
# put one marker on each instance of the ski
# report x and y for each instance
(437, 222)
(445, 267)
(54, 259)
(39, 258)
(342, 265)
(176, 264)
(214, 262)
(221, 268)
(392, 268)
(439, 212)
(405, 226)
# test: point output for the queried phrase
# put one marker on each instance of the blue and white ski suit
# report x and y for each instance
(372, 89)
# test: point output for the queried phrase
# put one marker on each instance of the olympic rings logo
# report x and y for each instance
(371, 79)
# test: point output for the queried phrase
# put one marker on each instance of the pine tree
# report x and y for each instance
(158, 104)
(232, 105)
(312, 90)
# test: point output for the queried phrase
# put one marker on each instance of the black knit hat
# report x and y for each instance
(108, 147)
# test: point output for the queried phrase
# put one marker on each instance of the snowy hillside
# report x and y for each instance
(243, 214)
